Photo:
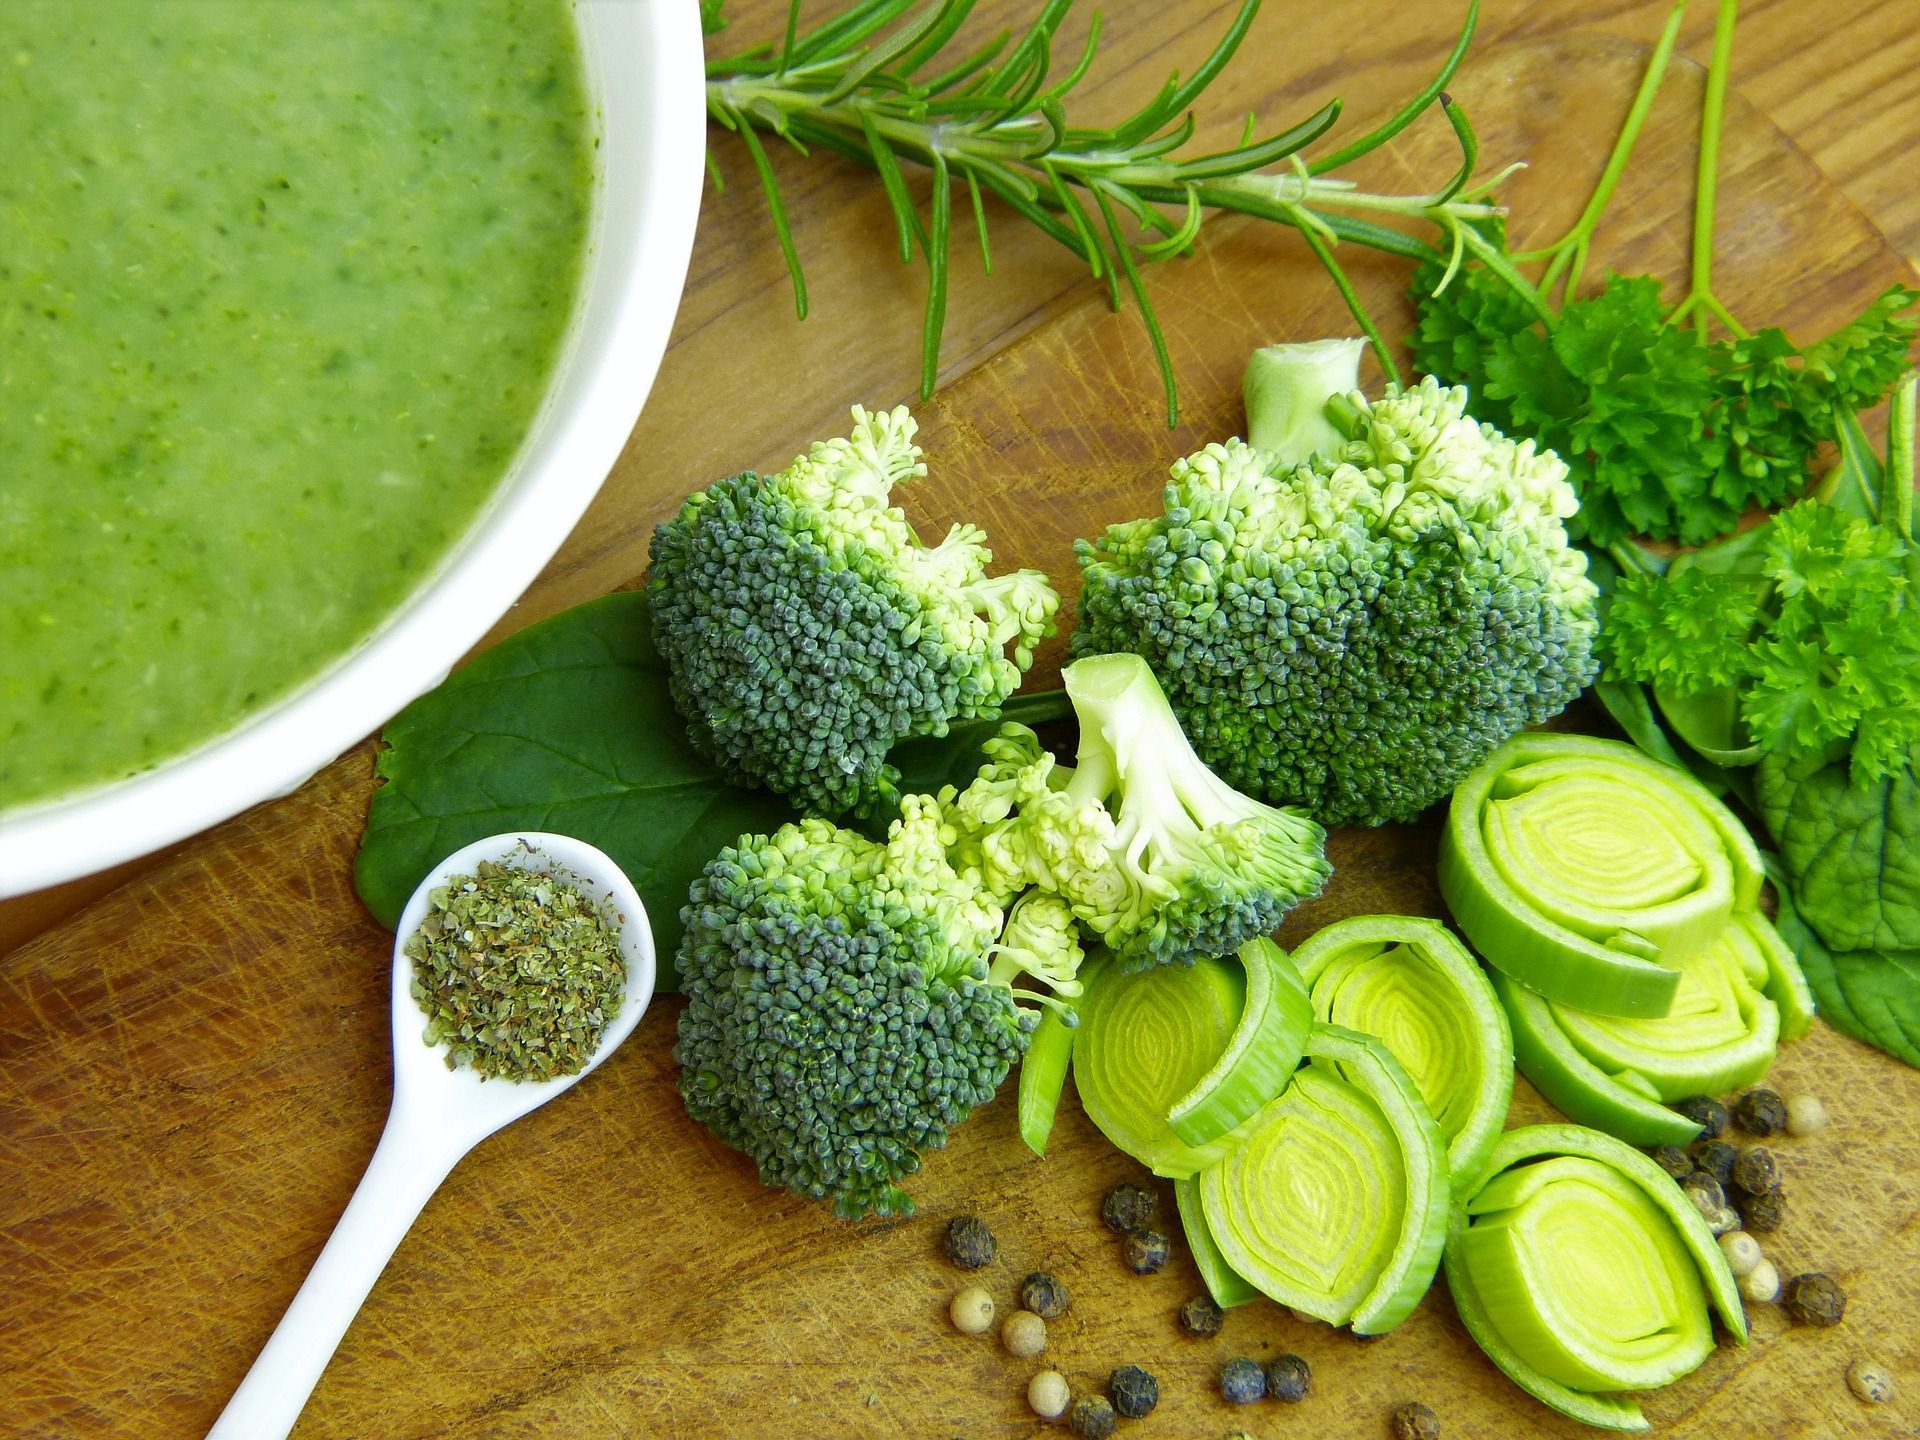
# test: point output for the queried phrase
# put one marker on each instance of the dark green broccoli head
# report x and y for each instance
(807, 630)
(839, 1017)
(1355, 632)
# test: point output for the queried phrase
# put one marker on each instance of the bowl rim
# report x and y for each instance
(646, 77)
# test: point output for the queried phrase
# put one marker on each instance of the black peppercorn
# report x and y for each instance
(1713, 1157)
(1044, 1295)
(1705, 1192)
(1414, 1421)
(1133, 1392)
(1814, 1299)
(1763, 1213)
(1146, 1252)
(1706, 1112)
(1092, 1418)
(1760, 1112)
(970, 1243)
(1242, 1382)
(1755, 1171)
(1127, 1208)
(1200, 1316)
(1675, 1161)
(1288, 1378)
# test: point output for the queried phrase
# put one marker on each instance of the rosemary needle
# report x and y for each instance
(883, 82)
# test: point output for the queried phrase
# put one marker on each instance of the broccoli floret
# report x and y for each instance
(807, 630)
(842, 1013)
(1352, 629)
(1193, 867)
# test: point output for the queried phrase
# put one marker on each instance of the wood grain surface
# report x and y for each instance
(194, 1068)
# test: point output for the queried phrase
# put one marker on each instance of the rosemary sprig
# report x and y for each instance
(883, 82)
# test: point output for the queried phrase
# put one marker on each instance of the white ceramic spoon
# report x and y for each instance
(437, 1116)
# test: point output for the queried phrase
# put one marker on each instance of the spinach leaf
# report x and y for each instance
(1853, 849)
(1872, 995)
(569, 727)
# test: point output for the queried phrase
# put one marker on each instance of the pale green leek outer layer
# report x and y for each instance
(1587, 870)
(1043, 1073)
(1581, 1270)
(1334, 1201)
(1739, 996)
(1145, 1040)
(1227, 1288)
(1265, 1050)
(1410, 982)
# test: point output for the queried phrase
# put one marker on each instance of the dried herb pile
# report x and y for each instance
(517, 972)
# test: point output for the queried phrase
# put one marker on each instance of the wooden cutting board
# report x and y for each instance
(193, 1071)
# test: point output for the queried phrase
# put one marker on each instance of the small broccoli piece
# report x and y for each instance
(1351, 628)
(807, 630)
(1153, 854)
(842, 1013)
(1193, 866)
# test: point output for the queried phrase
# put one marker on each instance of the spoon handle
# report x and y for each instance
(407, 1167)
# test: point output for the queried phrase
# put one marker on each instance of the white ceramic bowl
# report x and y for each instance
(644, 72)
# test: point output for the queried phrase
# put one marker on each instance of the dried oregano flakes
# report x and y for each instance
(517, 971)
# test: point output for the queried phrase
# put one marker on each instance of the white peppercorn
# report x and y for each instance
(1762, 1283)
(972, 1311)
(1805, 1115)
(1049, 1395)
(1024, 1334)
(1742, 1252)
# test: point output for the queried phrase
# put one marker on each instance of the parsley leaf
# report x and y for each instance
(1664, 433)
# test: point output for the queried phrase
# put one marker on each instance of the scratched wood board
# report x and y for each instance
(195, 1069)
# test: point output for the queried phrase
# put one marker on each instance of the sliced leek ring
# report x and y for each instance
(1334, 1201)
(1409, 981)
(1586, 870)
(1618, 1074)
(1227, 1288)
(1144, 1041)
(1265, 1050)
(1581, 1270)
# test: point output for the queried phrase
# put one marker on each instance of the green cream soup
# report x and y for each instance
(282, 283)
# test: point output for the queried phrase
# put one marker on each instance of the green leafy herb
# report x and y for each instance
(1667, 431)
(517, 972)
(882, 82)
(566, 727)
(1813, 641)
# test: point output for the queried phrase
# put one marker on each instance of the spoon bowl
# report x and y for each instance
(460, 1103)
(439, 1113)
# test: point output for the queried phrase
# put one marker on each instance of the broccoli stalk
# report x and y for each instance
(1286, 390)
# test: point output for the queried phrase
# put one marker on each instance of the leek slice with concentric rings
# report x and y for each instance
(1409, 981)
(1144, 1041)
(1586, 870)
(1619, 1074)
(1334, 1201)
(1581, 1270)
